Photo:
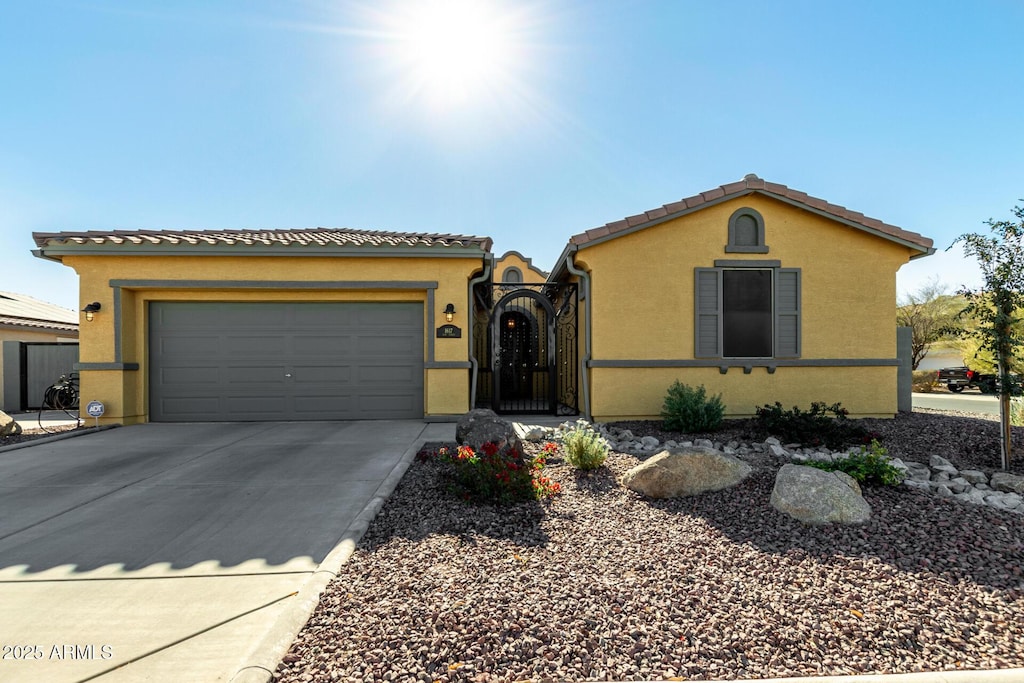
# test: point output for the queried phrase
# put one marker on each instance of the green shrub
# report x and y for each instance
(690, 410)
(867, 467)
(1017, 412)
(585, 448)
(813, 427)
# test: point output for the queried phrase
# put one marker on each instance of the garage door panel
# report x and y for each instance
(193, 344)
(370, 375)
(282, 361)
(332, 346)
(321, 374)
(383, 345)
(254, 344)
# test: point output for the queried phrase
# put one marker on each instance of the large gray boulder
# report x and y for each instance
(1009, 483)
(8, 425)
(685, 472)
(481, 426)
(815, 496)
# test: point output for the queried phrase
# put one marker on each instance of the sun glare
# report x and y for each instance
(454, 52)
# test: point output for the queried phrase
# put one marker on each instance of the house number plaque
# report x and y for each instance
(449, 332)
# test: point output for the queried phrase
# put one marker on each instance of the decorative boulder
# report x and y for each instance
(685, 472)
(1009, 483)
(8, 425)
(481, 426)
(815, 496)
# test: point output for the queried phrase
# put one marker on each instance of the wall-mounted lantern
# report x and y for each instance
(449, 312)
(90, 310)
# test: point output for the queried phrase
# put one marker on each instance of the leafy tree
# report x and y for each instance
(1001, 259)
(931, 314)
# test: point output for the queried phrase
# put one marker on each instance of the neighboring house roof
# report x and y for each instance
(56, 244)
(19, 310)
(751, 184)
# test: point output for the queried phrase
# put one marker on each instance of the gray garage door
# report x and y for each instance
(285, 361)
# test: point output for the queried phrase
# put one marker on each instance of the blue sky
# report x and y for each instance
(259, 114)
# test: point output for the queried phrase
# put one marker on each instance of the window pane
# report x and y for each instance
(746, 232)
(747, 313)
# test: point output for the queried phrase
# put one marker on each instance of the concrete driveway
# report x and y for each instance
(167, 552)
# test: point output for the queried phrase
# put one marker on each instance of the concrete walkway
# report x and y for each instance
(172, 552)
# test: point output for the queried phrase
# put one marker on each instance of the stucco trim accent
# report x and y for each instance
(760, 247)
(741, 263)
(448, 365)
(770, 364)
(107, 366)
(275, 284)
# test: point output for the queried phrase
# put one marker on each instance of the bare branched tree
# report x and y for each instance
(931, 315)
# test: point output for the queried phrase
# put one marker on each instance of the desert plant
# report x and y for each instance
(690, 410)
(585, 448)
(813, 427)
(494, 475)
(924, 381)
(868, 466)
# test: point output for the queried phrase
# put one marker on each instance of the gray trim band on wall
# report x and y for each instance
(738, 263)
(276, 284)
(106, 366)
(724, 363)
(448, 365)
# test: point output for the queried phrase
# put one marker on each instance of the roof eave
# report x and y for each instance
(56, 251)
(924, 250)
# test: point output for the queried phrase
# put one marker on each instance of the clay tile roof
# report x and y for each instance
(749, 185)
(304, 237)
(24, 311)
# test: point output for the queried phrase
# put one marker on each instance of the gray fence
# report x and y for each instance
(30, 368)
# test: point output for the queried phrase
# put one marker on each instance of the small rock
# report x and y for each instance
(778, 451)
(974, 476)
(650, 442)
(772, 441)
(943, 491)
(703, 443)
(937, 461)
(8, 425)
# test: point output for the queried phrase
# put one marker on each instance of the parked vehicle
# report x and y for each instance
(960, 378)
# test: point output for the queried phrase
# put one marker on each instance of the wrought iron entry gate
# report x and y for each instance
(524, 339)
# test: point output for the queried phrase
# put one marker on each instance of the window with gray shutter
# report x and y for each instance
(747, 312)
(787, 313)
(708, 313)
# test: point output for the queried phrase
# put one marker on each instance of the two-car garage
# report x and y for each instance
(236, 361)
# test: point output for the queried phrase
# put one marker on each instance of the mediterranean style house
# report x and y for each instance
(757, 291)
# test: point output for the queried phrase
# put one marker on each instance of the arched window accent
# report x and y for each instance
(512, 274)
(746, 232)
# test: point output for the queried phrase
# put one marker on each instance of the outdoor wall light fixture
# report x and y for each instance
(449, 312)
(90, 310)
(511, 322)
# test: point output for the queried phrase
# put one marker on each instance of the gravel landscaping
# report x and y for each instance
(599, 583)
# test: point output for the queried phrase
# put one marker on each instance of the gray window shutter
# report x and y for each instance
(787, 313)
(707, 313)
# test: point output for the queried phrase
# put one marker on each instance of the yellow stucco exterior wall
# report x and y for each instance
(642, 288)
(125, 393)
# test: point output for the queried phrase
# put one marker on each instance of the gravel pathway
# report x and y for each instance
(601, 584)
